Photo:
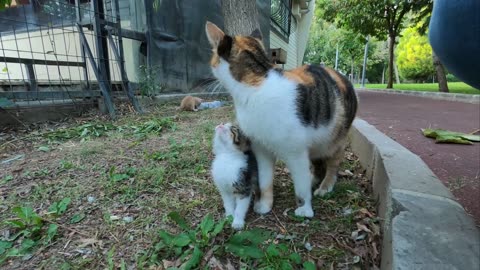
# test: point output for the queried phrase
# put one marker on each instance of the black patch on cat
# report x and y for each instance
(300, 201)
(225, 47)
(350, 101)
(319, 171)
(254, 60)
(248, 178)
(316, 103)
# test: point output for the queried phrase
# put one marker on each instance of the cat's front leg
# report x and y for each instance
(266, 162)
(241, 208)
(228, 203)
(299, 166)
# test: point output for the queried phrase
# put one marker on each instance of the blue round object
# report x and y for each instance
(454, 34)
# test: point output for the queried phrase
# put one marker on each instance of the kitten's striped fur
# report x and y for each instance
(234, 171)
(301, 116)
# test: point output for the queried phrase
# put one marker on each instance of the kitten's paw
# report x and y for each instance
(304, 211)
(261, 207)
(323, 190)
(238, 224)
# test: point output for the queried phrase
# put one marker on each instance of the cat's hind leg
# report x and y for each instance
(266, 162)
(241, 208)
(299, 166)
(331, 174)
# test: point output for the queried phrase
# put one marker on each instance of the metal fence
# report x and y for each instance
(70, 52)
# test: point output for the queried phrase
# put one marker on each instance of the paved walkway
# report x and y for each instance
(401, 117)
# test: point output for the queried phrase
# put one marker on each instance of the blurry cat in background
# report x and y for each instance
(190, 103)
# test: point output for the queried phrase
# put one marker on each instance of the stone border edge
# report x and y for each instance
(466, 98)
(423, 226)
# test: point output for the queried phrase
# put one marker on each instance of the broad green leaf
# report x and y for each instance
(59, 207)
(285, 265)
(447, 136)
(77, 218)
(5, 69)
(309, 266)
(25, 213)
(166, 237)
(180, 221)
(27, 244)
(194, 259)
(4, 245)
(470, 137)
(207, 224)
(15, 224)
(255, 236)
(451, 139)
(219, 227)
(181, 240)
(244, 251)
(62, 206)
(295, 257)
(51, 232)
(272, 251)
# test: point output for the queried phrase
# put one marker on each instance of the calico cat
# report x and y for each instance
(190, 103)
(301, 116)
(234, 171)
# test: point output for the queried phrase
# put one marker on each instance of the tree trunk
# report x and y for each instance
(352, 72)
(383, 74)
(391, 46)
(441, 77)
(397, 76)
(240, 16)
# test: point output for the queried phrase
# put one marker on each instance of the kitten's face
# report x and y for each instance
(229, 137)
(241, 57)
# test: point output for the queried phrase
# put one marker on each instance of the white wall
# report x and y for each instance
(297, 42)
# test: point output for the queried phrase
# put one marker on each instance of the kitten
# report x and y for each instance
(234, 171)
(190, 103)
(301, 116)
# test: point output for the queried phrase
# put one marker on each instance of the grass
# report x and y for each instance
(454, 87)
(136, 193)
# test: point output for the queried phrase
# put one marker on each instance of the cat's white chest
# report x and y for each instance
(226, 169)
(269, 117)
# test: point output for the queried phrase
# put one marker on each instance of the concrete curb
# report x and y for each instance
(423, 226)
(474, 99)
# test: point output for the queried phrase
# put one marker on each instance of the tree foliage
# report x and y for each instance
(322, 44)
(4, 3)
(378, 18)
(414, 56)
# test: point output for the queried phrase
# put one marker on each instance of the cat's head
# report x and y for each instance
(238, 58)
(228, 138)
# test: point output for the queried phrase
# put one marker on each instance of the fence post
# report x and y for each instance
(32, 81)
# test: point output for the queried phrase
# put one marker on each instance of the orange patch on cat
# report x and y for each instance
(336, 77)
(252, 79)
(242, 43)
(215, 60)
(300, 75)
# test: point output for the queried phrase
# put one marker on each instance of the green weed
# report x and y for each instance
(30, 230)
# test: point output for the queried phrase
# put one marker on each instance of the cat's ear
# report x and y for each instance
(214, 34)
(257, 34)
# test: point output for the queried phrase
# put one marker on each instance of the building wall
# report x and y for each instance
(297, 42)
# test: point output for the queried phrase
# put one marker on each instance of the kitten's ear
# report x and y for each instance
(257, 34)
(214, 34)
